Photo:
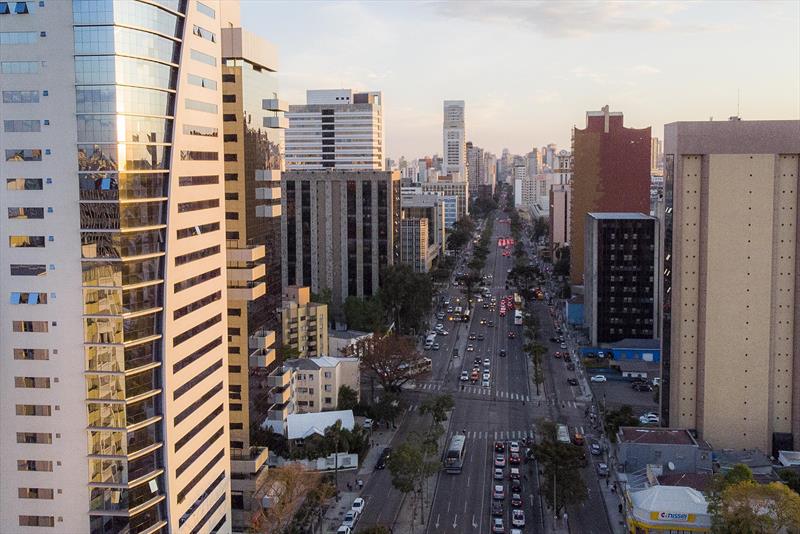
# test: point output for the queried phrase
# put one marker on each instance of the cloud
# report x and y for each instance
(572, 18)
(646, 69)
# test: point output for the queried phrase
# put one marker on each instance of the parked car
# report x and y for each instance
(518, 518)
(516, 486)
(516, 500)
(487, 362)
(642, 386)
(602, 470)
(383, 458)
(350, 519)
(464, 376)
(572, 381)
(649, 419)
(485, 384)
(599, 378)
(513, 446)
(497, 509)
(563, 345)
(358, 505)
(578, 439)
(435, 346)
(499, 492)
(497, 526)
(567, 358)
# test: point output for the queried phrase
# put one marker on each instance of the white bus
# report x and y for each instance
(465, 316)
(562, 434)
(518, 317)
(454, 459)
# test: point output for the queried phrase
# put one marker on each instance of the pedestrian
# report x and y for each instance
(606, 481)
(619, 507)
(349, 486)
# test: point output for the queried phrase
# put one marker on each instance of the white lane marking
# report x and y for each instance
(455, 520)
(437, 521)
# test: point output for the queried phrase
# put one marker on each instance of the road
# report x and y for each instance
(507, 410)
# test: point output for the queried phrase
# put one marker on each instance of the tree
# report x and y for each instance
(287, 353)
(334, 433)
(791, 478)
(365, 314)
(746, 507)
(323, 297)
(437, 407)
(392, 359)
(562, 484)
(348, 398)
(410, 465)
(561, 267)
(541, 227)
(286, 487)
(388, 407)
(623, 416)
(405, 297)
(537, 352)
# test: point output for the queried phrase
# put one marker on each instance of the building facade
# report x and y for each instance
(114, 403)
(611, 173)
(563, 167)
(454, 140)
(451, 188)
(338, 230)
(414, 244)
(304, 324)
(336, 129)
(559, 215)
(621, 282)
(428, 206)
(730, 318)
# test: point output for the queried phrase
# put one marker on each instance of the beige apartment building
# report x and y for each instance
(731, 327)
(304, 324)
(114, 403)
(414, 248)
(253, 144)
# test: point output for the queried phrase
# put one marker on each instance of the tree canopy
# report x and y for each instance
(406, 297)
(392, 359)
(561, 463)
(746, 507)
(365, 314)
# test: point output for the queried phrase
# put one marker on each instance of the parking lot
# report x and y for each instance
(616, 393)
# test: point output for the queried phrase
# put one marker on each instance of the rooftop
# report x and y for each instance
(656, 436)
(633, 344)
(347, 334)
(752, 458)
(619, 215)
(697, 481)
(671, 499)
(304, 425)
(638, 366)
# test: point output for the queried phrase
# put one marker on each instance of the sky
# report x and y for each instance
(529, 71)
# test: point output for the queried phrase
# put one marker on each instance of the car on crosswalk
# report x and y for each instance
(464, 376)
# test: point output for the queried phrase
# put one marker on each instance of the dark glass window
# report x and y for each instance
(199, 279)
(196, 255)
(189, 334)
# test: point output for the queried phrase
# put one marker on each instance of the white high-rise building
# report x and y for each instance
(336, 129)
(114, 393)
(454, 160)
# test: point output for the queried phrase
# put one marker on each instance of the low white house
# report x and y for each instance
(305, 425)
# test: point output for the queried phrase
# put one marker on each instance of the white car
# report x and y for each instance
(486, 362)
(649, 419)
(485, 383)
(443, 332)
(470, 348)
(563, 345)
(464, 376)
(440, 315)
(518, 518)
(440, 326)
(599, 378)
(350, 519)
(486, 376)
(513, 446)
(344, 530)
(358, 505)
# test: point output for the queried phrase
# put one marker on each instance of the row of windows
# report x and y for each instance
(200, 81)
(198, 429)
(21, 67)
(196, 355)
(24, 154)
(197, 105)
(192, 483)
(29, 326)
(205, 10)
(205, 325)
(35, 465)
(28, 298)
(200, 450)
(31, 354)
(183, 259)
(37, 521)
(41, 438)
(185, 388)
(209, 179)
(200, 500)
(35, 382)
(205, 34)
(22, 126)
(28, 269)
(21, 97)
(26, 241)
(20, 7)
(194, 280)
(196, 155)
(205, 131)
(196, 305)
(198, 230)
(196, 205)
(35, 410)
(192, 408)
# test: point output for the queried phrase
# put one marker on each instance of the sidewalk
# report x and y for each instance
(613, 499)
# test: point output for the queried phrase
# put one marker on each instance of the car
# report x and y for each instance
(490, 324)
(557, 355)
(443, 332)
(595, 449)
(570, 367)
(554, 339)
(599, 378)
(572, 381)
(477, 360)
(464, 376)
(497, 509)
(498, 474)
(516, 486)
(367, 424)
(514, 458)
(439, 326)
(512, 335)
(499, 446)
(518, 518)
(485, 384)
(344, 530)
(602, 469)
(485, 305)
(383, 458)
(649, 419)
(358, 505)
(639, 386)
(486, 376)
(440, 315)
(499, 460)
(470, 348)
(472, 337)
(486, 362)
(450, 309)
(502, 353)
(481, 337)
(474, 375)
(435, 346)
(497, 526)
(563, 345)
(514, 473)
(499, 492)
(516, 500)
(483, 321)
(513, 446)
(567, 358)
(578, 439)
(502, 312)
(350, 519)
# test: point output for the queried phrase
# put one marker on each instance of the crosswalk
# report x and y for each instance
(505, 395)
(500, 435)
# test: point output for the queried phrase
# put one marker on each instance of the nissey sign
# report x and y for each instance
(672, 516)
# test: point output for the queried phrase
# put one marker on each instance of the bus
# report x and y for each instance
(562, 434)
(416, 368)
(454, 459)
(457, 313)
(518, 317)
(465, 316)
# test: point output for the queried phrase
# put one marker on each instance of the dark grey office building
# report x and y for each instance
(339, 229)
(621, 276)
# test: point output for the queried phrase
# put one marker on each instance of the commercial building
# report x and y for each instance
(621, 280)
(611, 173)
(253, 144)
(448, 187)
(114, 403)
(338, 230)
(560, 196)
(416, 250)
(304, 324)
(454, 140)
(336, 129)
(666, 510)
(429, 206)
(730, 314)
(670, 449)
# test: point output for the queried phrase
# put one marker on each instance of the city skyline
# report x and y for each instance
(584, 56)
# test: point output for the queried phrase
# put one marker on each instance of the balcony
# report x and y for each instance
(268, 193)
(262, 358)
(276, 122)
(268, 175)
(268, 211)
(250, 292)
(248, 461)
(281, 397)
(274, 104)
(244, 274)
(244, 254)
(261, 339)
(280, 377)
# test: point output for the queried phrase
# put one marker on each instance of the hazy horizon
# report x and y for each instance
(529, 71)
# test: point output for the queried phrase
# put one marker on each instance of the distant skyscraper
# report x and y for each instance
(454, 159)
(611, 173)
(560, 197)
(476, 168)
(731, 321)
(114, 404)
(656, 153)
(563, 167)
(336, 129)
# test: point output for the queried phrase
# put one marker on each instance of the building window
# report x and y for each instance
(31, 354)
(228, 78)
(24, 184)
(20, 67)
(205, 10)
(196, 305)
(35, 493)
(209, 179)
(203, 33)
(200, 81)
(28, 269)
(26, 213)
(35, 465)
(22, 126)
(199, 279)
(42, 438)
(197, 230)
(184, 207)
(30, 326)
(33, 382)
(208, 323)
(24, 154)
(37, 521)
(203, 131)
(20, 97)
(197, 105)
(203, 57)
(196, 255)
(35, 410)
(196, 155)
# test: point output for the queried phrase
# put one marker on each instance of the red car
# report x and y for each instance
(514, 458)
(511, 335)
(499, 446)
(557, 355)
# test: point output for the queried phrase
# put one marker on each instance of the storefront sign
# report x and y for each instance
(672, 517)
